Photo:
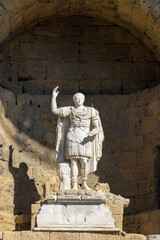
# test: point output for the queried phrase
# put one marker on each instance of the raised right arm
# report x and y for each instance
(54, 108)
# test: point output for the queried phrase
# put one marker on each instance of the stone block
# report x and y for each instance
(132, 190)
(142, 71)
(61, 8)
(93, 236)
(16, 23)
(28, 87)
(11, 235)
(87, 86)
(34, 211)
(140, 53)
(154, 35)
(116, 52)
(117, 213)
(28, 4)
(6, 220)
(65, 52)
(149, 126)
(30, 13)
(135, 237)
(3, 108)
(125, 10)
(121, 71)
(66, 235)
(18, 86)
(133, 143)
(12, 8)
(139, 18)
(153, 237)
(4, 54)
(148, 42)
(6, 72)
(45, 10)
(67, 71)
(111, 85)
(25, 235)
(90, 8)
(101, 71)
(23, 51)
(157, 72)
(153, 109)
(71, 88)
(35, 208)
(108, 11)
(116, 209)
(118, 221)
(120, 35)
(144, 185)
(1, 235)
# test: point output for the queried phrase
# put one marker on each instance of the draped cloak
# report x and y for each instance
(63, 126)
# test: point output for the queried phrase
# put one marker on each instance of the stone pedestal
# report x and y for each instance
(75, 213)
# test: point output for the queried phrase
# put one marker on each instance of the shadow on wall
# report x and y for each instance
(157, 175)
(25, 192)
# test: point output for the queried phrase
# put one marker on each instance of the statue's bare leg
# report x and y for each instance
(84, 172)
(74, 173)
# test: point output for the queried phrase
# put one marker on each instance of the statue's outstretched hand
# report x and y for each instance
(55, 92)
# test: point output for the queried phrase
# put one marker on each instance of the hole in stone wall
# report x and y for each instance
(23, 79)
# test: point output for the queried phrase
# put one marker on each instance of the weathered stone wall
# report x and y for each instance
(144, 223)
(78, 54)
(69, 53)
(130, 162)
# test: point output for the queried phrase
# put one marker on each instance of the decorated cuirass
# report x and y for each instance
(79, 125)
(72, 135)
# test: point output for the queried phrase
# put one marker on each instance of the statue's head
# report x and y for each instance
(79, 99)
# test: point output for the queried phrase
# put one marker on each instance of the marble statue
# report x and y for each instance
(79, 148)
(79, 140)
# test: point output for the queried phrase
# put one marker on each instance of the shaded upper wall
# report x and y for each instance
(79, 54)
(139, 17)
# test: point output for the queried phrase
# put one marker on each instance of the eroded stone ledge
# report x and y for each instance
(25, 235)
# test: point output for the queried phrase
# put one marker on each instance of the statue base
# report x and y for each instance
(75, 213)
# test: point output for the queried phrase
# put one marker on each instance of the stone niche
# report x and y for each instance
(77, 53)
(118, 75)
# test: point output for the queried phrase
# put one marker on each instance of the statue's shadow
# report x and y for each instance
(25, 192)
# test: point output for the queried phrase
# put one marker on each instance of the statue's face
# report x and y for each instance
(79, 100)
